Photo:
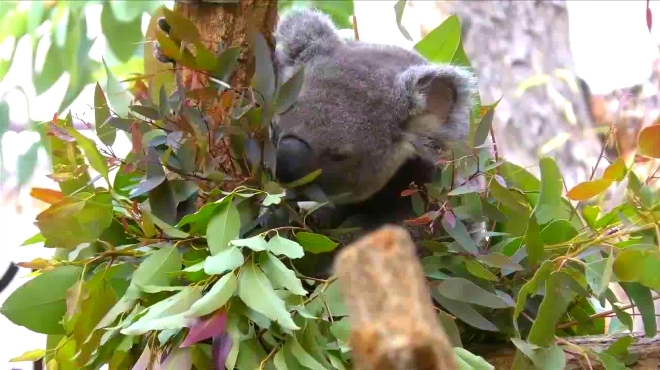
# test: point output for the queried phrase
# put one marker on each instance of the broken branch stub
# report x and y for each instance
(394, 325)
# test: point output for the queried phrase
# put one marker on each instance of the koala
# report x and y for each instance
(372, 117)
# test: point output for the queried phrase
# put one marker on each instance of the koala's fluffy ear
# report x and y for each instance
(440, 97)
(302, 34)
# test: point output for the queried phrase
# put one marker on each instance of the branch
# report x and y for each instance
(394, 325)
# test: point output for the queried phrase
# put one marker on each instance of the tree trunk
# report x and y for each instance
(230, 24)
(512, 44)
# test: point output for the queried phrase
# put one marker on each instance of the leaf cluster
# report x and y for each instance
(142, 274)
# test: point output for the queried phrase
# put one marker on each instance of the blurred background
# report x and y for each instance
(566, 72)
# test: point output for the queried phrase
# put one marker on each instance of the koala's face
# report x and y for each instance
(363, 111)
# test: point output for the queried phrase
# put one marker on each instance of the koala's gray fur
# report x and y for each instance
(376, 116)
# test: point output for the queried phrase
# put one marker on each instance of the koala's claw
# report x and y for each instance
(160, 55)
(158, 51)
(163, 25)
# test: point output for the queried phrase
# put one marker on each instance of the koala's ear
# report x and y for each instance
(302, 34)
(440, 97)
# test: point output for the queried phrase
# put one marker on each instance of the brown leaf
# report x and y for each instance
(46, 195)
(136, 138)
(588, 189)
(648, 141)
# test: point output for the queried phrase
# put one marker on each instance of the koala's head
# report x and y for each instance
(364, 110)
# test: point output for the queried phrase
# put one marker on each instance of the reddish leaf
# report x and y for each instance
(408, 192)
(220, 350)
(136, 138)
(648, 141)
(211, 326)
(422, 220)
(59, 133)
(140, 90)
(649, 16)
(46, 195)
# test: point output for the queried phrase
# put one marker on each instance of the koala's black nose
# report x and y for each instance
(293, 158)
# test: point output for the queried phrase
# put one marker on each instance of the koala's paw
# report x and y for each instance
(158, 51)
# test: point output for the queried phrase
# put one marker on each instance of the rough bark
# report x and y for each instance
(394, 325)
(508, 43)
(231, 24)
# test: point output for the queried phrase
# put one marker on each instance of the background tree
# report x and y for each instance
(542, 110)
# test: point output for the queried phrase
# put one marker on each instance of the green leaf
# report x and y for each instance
(478, 270)
(157, 269)
(27, 162)
(304, 358)
(551, 357)
(285, 247)
(205, 59)
(463, 312)
(288, 93)
(96, 160)
(532, 288)
(40, 303)
(106, 132)
(440, 45)
(227, 62)
(181, 27)
(599, 274)
(315, 243)
(257, 243)
(558, 231)
(52, 70)
(200, 219)
(257, 292)
(123, 37)
(506, 197)
(460, 234)
(642, 297)
(554, 305)
(226, 260)
(162, 203)
(500, 261)
(264, 75)
(168, 47)
(34, 355)
(484, 127)
(216, 297)
(280, 275)
(76, 219)
(399, 7)
(166, 314)
(223, 227)
(551, 184)
(610, 362)
(464, 290)
(533, 242)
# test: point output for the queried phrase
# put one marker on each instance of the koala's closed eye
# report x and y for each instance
(338, 154)
(338, 157)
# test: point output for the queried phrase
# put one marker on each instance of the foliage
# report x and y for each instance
(142, 273)
(57, 32)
